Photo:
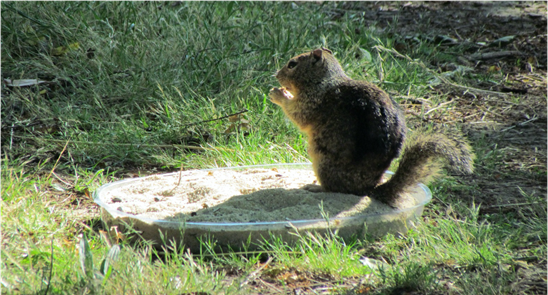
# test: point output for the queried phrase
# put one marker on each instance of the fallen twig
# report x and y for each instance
(278, 291)
(103, 123)
(439, 106)
(490, 55)
(55, 165)
(520, 124)
(511, 205)
(130, 144)
(254, 274)
(180, 177)
(58, 178)
(216, 119)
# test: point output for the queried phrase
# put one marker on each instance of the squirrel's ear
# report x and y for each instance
(325, 49)
(317, 54)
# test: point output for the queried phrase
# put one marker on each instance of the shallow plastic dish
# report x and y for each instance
(236, 234)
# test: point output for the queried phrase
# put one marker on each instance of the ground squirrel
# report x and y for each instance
(355, 130)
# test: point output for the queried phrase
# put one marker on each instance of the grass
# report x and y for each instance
(133, 97)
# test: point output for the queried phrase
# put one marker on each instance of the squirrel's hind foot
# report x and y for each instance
(314, 188)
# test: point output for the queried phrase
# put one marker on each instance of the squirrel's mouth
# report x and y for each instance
(286, 86)
(289, 90)
(288, 93)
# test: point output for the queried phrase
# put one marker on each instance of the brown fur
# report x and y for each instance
(355, 130)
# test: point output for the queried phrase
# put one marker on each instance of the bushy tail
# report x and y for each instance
(420, 162)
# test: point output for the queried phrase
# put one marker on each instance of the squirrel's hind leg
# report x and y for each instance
(347, 178)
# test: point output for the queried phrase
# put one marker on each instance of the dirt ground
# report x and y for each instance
(511, 119)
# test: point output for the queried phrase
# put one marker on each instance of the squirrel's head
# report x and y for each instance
(309, 69)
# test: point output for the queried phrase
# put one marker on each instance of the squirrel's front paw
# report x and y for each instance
(278, 95)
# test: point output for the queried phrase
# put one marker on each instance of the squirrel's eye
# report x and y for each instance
(291, 64)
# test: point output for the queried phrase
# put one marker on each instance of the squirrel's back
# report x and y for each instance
(357, 133)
